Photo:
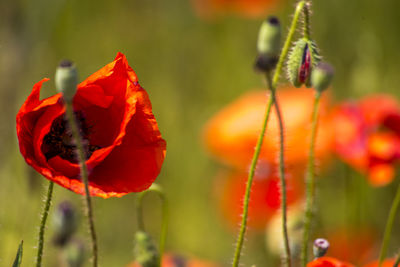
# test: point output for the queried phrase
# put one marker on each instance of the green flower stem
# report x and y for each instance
(165, 214)
(273, 84)
(252, 171)
(43, 223)
(389, 226)
(287, 257)
(306, 27)
(288, 42)
(310, 181)
(84, 175)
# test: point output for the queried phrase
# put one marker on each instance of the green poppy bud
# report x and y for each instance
(268, 44)
(320, 247)
(67, 79)
(145, 252)
(302, 59)
(322, 76)
(65, 223)
(74, 254)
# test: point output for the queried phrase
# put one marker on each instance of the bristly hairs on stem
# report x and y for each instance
(287, 259)
(42, 228)
(66, 83)
(165, 214)
(310, 180)
(274, 82)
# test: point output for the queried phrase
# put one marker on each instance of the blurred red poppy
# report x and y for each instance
(386, 263)
(232, 134)
(245, 8)
(265, 199)
(328, 262)
(123, 145)
(352, 244)
(174, 260)
(367, 136)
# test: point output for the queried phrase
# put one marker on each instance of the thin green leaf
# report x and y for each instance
(18, 258)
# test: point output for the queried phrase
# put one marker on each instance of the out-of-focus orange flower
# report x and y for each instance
(367, 136)
(328, 262)
(386, 263)
(174, 260)
(245, 8)
(356, 245)
(232, 134)
(265, 194)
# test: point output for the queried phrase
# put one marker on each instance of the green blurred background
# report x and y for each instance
(191, 67)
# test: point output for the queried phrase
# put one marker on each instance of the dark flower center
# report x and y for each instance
(59, 140)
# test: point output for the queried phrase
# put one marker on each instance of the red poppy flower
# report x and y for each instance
(232, 134)
(245, 8)
(385, 263)
(123, 145)
(265, 199)
(367, 136)
(174, 260)
(328, 262)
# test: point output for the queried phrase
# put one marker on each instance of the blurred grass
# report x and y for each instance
(190, 68)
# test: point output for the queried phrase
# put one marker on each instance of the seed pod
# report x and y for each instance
(145, 252)
(322, 76)
(66, 79)
(268, 44)
(302, 59)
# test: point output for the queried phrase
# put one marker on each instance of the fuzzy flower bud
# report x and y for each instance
(268, 44)
(65, 223)
(320, 247)
(145, 252)
(322, 76)
(74, 254)
(302, 59)
(66, 79)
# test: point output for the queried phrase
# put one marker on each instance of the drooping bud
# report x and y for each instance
(74, 254)
(66, 79)
(302, 59)
(320, 247)
(322, 76)
(65, 223)
(268, 44)
(145, 252)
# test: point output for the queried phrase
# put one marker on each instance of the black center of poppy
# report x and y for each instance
(59, 140)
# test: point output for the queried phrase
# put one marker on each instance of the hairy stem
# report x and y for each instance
(42, 228)
(389, 226)
(84, 176)
(306, 26)
(165, 212)
(310, 181)
(246, 200)
(273, 84)
(288, 42)
(287, 257)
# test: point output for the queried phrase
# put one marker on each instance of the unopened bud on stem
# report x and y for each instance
(301, 62)
(268, 44)
(322, 76)
(145, 252)
(65, 223)
(320, 247)
(67, 79)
